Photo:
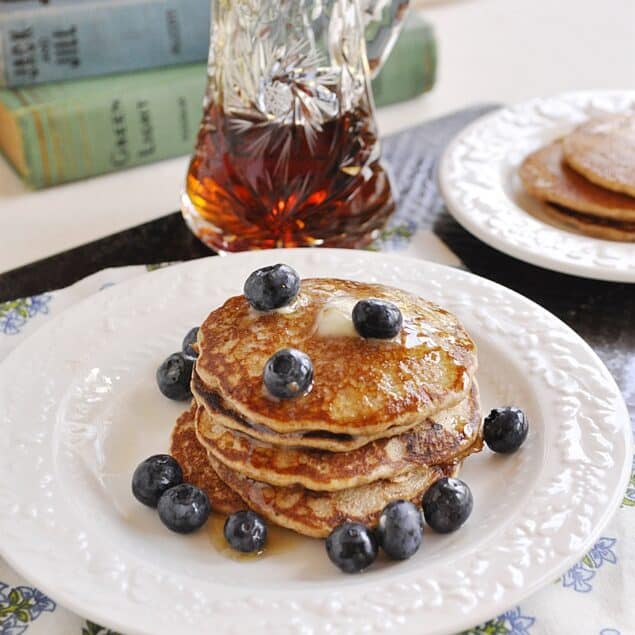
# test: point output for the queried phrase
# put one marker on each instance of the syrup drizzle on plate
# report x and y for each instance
(279, 540)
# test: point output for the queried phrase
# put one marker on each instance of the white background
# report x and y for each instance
(490, 50)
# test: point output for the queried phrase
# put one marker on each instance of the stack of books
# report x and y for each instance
(94, 86)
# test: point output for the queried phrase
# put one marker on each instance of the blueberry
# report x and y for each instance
(400, 529)
(272, 287)
(245, 531)
(184, 508)
(174, 376)
(188, 340)
(377, 318)
(447, 504)
(505, 429)
(154, 476)
(288, 373)
(352, 547)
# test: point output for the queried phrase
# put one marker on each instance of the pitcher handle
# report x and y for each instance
(383, 20)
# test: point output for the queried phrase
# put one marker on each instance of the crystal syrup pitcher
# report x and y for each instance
(287, 152)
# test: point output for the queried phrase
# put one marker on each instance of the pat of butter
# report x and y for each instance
(289, 308)
(335, 319)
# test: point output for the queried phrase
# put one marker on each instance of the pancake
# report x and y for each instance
(192, 458)
(444, 438)
(317, 439)
(546, 176)
(590, 225)
(603, 150)
(361, 387)
(316, 514)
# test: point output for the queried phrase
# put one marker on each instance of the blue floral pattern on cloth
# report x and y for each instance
(512, 622)
(158, 265)
(579, 576)
(629, 497)
(19, 606)
(90, 628)
(394, 237)
(15, 313)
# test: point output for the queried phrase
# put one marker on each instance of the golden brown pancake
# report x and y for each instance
(192, 458)
(317, 439)
(316, 514)
(360, 386)
(546, 176)
(603, 150)
(446, 437)
(591, 225)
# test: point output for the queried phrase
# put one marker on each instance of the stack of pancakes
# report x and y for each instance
(588, 177)
(384, 418)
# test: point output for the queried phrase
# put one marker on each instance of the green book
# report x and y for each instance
(55, 133)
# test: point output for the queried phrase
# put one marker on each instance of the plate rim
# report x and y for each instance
(67, 599)
(521, 252)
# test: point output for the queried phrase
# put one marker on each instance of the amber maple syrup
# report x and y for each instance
(255, 185)
(278, 540)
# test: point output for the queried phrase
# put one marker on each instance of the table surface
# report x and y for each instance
(490, 50)
(603, 313)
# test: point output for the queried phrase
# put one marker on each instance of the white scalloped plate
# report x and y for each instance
(80, 409)
(478, 176)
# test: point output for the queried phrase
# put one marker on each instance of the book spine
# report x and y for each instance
(410, 69)
(71, 39)
(68, 140)
(79, 129)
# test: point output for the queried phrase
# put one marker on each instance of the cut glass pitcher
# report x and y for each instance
(287, 152)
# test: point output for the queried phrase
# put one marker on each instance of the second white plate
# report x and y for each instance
(478, 176)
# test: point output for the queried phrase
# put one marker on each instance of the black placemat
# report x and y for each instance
(601, 312)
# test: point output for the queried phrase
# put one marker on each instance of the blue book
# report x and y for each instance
(68, 39)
